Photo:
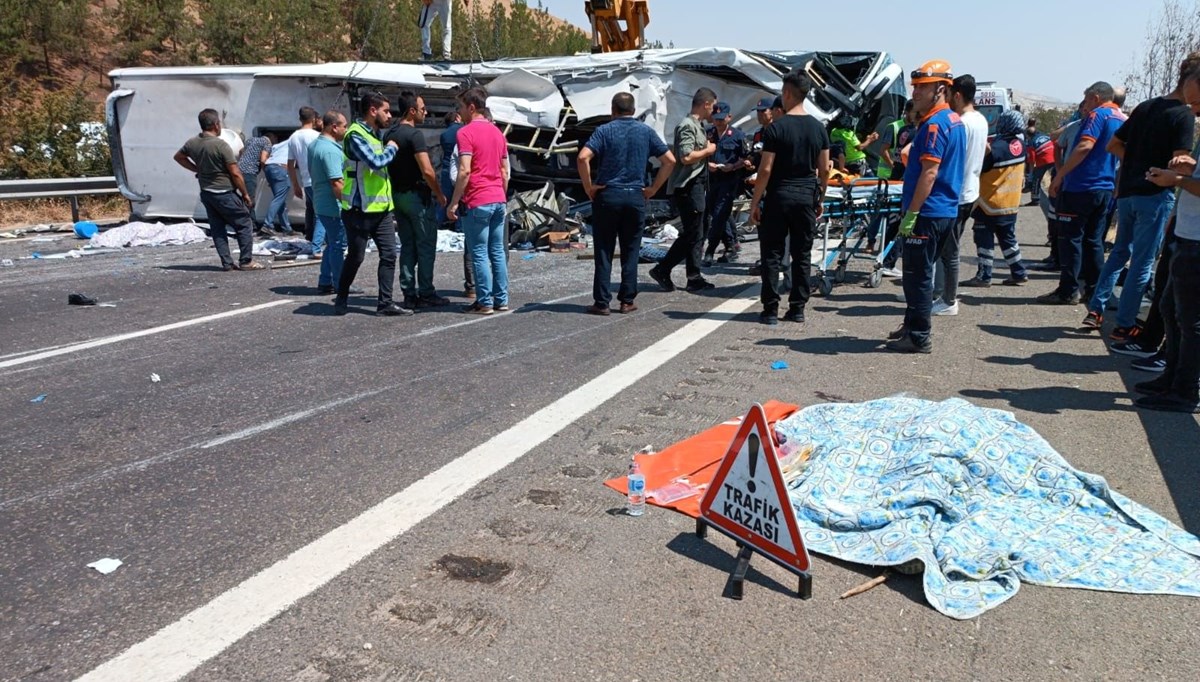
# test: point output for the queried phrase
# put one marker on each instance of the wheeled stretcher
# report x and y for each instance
(854, 212)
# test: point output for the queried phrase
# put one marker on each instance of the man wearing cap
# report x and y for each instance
(726, 169)
(933, 181)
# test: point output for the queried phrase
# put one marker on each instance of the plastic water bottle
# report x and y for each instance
(636, 485)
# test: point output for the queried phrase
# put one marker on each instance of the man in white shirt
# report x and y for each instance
(962, 100)
(297, 167)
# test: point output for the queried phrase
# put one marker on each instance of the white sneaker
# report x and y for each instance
(891, 272)
(940, 308)
(900, 296)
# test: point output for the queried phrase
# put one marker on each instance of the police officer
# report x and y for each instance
(726, 169)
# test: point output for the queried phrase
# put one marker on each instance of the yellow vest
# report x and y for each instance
(373, 188)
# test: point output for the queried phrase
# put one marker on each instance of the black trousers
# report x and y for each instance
(360, 229)
(689, 201)
(1152, 330)
(618, 215)
(228, 210)
(787, 215)
(1181, 320)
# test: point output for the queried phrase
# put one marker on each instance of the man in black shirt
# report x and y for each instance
(792, 177)
(1157, 131)
(415, 187)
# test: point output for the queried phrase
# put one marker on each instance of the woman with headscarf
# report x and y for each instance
(995, 214)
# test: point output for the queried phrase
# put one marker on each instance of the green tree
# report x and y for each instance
(232, 32)
(153, 26)
(54, 28)
(52, 135)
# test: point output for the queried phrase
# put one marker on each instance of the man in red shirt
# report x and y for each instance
(483, 186)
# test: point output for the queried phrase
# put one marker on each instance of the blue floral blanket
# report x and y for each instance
(980, 499)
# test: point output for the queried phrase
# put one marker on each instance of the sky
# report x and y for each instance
(1053, 48)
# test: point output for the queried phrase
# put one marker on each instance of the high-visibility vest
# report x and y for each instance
(884, 171)
(372, 188)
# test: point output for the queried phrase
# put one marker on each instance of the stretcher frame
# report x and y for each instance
(853, 213)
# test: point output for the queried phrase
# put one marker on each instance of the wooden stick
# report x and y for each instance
(869, 585)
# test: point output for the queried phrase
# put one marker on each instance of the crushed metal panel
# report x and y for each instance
(383, 73)
(524, 98)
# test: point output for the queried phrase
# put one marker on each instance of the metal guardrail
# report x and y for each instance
(71, 188)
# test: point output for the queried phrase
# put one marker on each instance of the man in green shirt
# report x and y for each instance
(856, 155)
(687, 187)
(222, 191)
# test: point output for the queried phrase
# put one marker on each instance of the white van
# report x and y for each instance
(991, 100)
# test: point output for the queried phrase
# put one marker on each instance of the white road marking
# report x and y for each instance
(186, 644)
(108, 340)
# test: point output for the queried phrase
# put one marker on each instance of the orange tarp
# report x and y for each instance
(696, 458)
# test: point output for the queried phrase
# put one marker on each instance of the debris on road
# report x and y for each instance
(40, 399)
(80, 299)
(865, 587)
(779, 365)
(148, 234)
(155, 378)
(105, 566)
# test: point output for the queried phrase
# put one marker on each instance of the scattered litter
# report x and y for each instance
(281, 247)
(368, 646)
(155, 378)
(677, 489)
(85, 229)
(449, 241)
(149, 234)
(668, 232)
(6, 263)
(105, 566)
(651, 254)
(44, 239)
(35, 255)
(648, 450)
(106, 305)
(869, 585)
(80, 299)
(779, 365)
(529, 256)
(40, 399)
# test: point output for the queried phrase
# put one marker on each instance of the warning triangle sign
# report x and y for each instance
(747, 499)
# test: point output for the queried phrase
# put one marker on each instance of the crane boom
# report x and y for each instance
(607, 17)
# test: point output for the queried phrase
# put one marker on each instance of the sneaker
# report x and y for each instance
(728, 257)
(1132, 348)
(1125, 333)
(940, 308)
(891, 272)
(598, 308)
(662, 278)
(900, 296)
(699, 284)
(501, 308)
(768, 318)
(1055, 298)
(1154, 363)
(426, 57)
(1093, 320)
(478, 309)
(1015, 281)
(324, 289)
(900, 333)
(756, 269)
(393, 309)
(794, 315)
(340, 306)
(1168, 402)
(1043, 266)
(707, 262)
(1152, 387)
(905, 344)
(976, 283)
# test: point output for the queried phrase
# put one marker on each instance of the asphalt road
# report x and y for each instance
(452, 466)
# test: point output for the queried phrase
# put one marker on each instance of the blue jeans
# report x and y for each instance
(318, 232)
(281, 187)
(1141, 221)
(1082, 217)
(618, 215)
(922, 250)
(334, 233)
(487, 243)
(720, 207)
(989, 230)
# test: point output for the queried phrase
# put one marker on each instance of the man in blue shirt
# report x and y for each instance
(933, 180)
(622, 148)
(1083, 190)
(726, 169)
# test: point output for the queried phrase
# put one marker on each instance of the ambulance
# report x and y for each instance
(990, 100)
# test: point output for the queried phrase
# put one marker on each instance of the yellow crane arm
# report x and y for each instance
(618, 25)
